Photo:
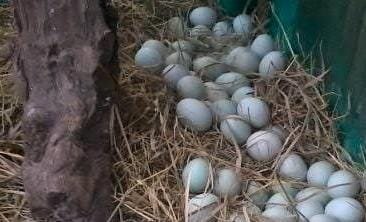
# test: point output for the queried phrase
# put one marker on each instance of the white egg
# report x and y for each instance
(237, 217)
(227, 183)
(235, 129)
(215, 92)
(209, 67)
(203, 16)
(241, 93)
(313, 194)
(285, 187)
(242, 24)
(182, 58)
(149, 59)
(343, 184)
(199, 30)
(345, 209)
(157, 45)
(223, 28)
(194, 115)
(279, 214)
(234, 52)
(263, 145)
(293, 167)
(278, 200)
(243, 60)
(232, 81)
(201, 207)
(323, 218)
(191, 87)
(279, 130)
(271, 63)
(223, 108)
(257, 193)
(183, 46)
(173, 73)
(255, 111)
(196, 175)
(307, 209)
(177, 27)
(262, 45)
(319, 173)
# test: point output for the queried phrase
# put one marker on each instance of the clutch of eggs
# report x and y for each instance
(215, 93)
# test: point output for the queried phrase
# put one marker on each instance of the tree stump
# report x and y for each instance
(65, 56)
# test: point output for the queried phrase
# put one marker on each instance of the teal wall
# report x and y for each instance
(340, 27)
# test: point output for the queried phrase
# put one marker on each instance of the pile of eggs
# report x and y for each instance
(328, 196)
(213, 88)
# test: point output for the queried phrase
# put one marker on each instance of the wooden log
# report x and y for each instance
(65, 55)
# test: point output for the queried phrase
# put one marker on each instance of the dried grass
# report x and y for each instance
(150, 148)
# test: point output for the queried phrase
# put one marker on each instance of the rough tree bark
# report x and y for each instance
(65, 56)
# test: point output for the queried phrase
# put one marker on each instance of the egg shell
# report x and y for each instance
(323, 218)
(255, 111)
(308, 209)
(279, 130)
(215, 92)
(241, 93)
(177, 27)
(223, 108)
(199, 30)
(237, 217)
(242, 24)
(201, 207)
(263, 145)
(203, 16)
(196, 175)
(345, 209)
(343, 183)
(234, 52)
(251, 209)
(183, 46)
(227, 183)
(235, 129)
(182, 58)
(173, 73)
(313, 194)
(271, 63)
(257, 193)
(209, 68)
(149, 59)
(191, 87)
(243, 60)
(157, 45)
(278, 200)
(232, 81)
(285, 187)
(293, 167)
(194, 115)
(222, 28)
(279, 214)
(319, 173)
(262, 45)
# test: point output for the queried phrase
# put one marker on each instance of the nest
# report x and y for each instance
(150, 147)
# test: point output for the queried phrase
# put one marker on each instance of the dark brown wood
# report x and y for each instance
(64, 55)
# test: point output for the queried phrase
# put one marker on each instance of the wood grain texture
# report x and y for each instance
(64, 54)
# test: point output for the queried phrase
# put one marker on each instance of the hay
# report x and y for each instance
(150, 148)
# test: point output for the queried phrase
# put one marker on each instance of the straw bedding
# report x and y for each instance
(150, 148)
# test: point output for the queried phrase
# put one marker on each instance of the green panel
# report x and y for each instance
(232, 7)
(340, 25)
(235, 7)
